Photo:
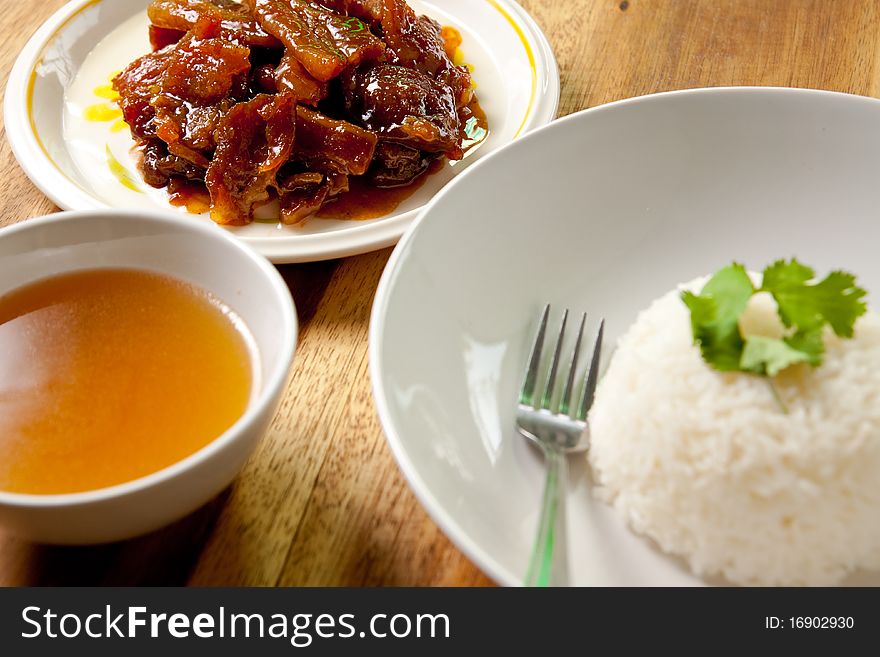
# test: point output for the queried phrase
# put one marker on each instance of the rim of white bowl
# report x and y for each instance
(348, 241)
(271, 388)
(451, 528)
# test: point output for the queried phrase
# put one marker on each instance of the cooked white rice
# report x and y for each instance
(709, 466)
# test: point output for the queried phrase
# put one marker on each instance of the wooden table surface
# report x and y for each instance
(322, 501)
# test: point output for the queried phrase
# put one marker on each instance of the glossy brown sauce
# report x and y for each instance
(364, 201)
(191, 195)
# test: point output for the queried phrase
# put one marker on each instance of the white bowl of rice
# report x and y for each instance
(695, 477)
(758, 485)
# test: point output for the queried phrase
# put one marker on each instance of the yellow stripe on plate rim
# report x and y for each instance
(32, 81)
(529, 53)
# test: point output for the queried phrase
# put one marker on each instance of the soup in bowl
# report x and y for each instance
(142, 359)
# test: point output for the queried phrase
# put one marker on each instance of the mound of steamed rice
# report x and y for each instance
(709, 466)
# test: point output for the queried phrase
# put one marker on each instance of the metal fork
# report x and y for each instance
(558, 429)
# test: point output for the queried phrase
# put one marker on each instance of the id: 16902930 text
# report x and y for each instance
(809, 623)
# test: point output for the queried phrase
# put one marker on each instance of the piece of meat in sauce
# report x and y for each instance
(293, 78)
(325, 43)
(332, 145)
(406, 106)
(254, 140)
(136, 86)
(161, 37)
(370, 10)
(299, 204)
(179, 93)
(326, 152)
(263, 79)
(302, 192)
(395, 165)
(204, 76)
(159, 167)
(417, 42)
(236, 20)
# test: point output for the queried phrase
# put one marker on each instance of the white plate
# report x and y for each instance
(79, 48)
(602, 211)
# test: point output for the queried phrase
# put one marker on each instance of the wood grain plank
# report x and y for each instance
(609, 49)
(19, 198)
(253, 535)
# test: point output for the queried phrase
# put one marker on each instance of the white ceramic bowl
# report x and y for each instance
(601, 212)
(189, 251)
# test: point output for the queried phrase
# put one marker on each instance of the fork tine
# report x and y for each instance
(531, 380)
(554, 364)
(568, 392)
(592, 376)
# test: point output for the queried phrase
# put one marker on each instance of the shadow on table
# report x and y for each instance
(307, 283)
(163, 558)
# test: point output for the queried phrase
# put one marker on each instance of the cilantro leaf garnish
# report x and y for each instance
(804, 307)
(810, 343)
(835, 300)
(715, 313)
(769, 356)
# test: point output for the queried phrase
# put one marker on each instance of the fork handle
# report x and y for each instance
(548, 565)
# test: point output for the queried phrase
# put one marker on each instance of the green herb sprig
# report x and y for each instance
(804, 306)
